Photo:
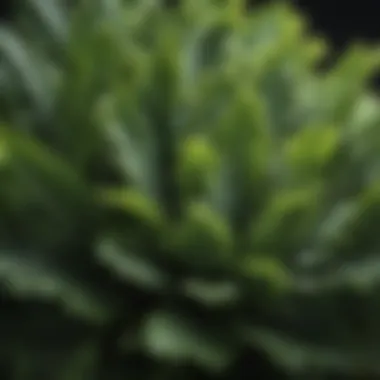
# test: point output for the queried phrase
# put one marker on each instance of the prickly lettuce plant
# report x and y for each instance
(181, 191)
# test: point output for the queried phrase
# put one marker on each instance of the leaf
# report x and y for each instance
(42, 160)
(211, 293)
(338, 222)
(346, 82)
(203, 238)
(34, 73)
(130, 267)
(53, 16)
(268, 269)
(298, 356)
(287, 219)
(365, 117)
(27, 278)
(313, 147)
(359, 277)
(132, 203)
(197, 166)
(131, 155)
(172, 338)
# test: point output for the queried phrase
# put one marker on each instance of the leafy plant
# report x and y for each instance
(181, 191)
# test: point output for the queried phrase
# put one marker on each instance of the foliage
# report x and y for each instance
(181, 191)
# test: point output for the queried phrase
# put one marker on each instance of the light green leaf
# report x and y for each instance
(130, 267)
(270, 270)
(172, 338)
(211, 293)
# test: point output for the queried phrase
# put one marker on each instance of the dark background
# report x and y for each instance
(345, 22)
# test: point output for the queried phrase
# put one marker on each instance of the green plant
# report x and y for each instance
(182, 189)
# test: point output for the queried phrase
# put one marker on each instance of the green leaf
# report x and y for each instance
(134, 204)
(197, 166)
(44, 163)
(131, 153)
(297, 356)
(172, 338)
(270, 270)
(130, 267)
(202, 239)
(28, 278)
(313, 147)
(287, 220)
(211, 293)
(53, 16)
(38, 77)
(338, 222)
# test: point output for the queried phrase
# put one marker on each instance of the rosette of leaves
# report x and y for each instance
(181, 190)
